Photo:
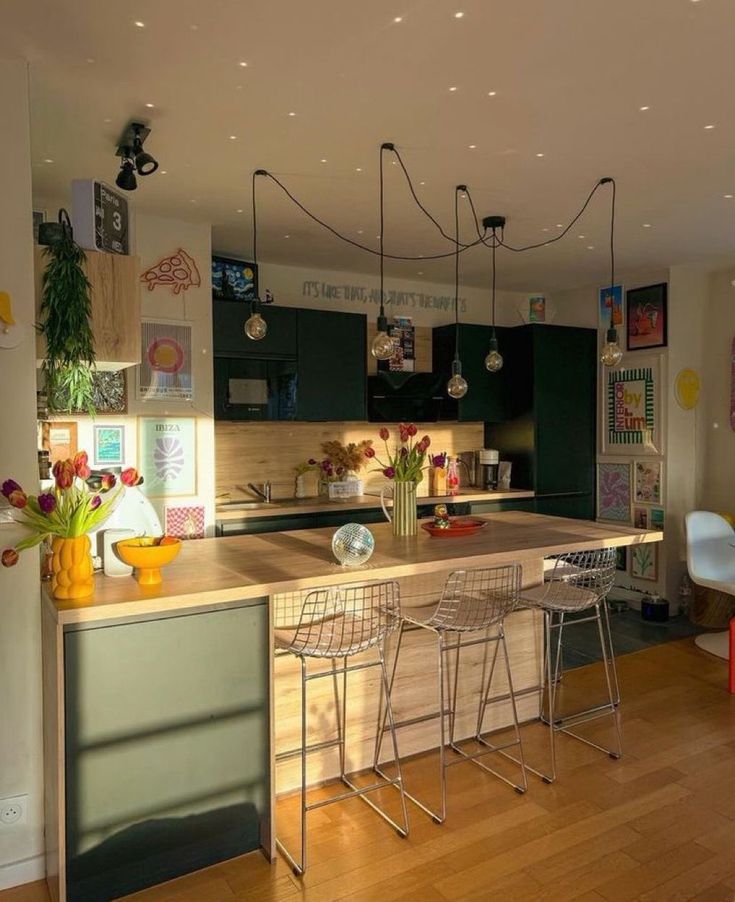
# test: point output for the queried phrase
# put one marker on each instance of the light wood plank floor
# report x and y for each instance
(658, 825)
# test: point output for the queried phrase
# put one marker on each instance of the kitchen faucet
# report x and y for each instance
(264, 493)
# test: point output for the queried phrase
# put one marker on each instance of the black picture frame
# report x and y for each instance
(230, 281)
(647, 317)
(621, 558)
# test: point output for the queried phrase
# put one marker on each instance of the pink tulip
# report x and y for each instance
(384, 434)
(108, 481)
(411, 429)
(369, 452)
(130, 477)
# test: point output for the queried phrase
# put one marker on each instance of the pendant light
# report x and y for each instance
(256, 327)
(612, 353)
(493, 360)
(457, 385)
(382, 346)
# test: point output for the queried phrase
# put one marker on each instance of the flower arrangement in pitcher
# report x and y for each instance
(406, 462)
(68, 510)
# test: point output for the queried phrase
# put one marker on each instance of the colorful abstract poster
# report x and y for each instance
(631, 421)
(613, 492)
(648, 481)
(611, 299)
(167, 456)
(537, 309)
(234, 280)
(109, 445)
(165, 373)
(647, 314)
(184, 521)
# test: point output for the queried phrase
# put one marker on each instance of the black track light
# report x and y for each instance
(126, 177)
(144, 162)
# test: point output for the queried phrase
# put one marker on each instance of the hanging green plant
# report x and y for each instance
(66, 311)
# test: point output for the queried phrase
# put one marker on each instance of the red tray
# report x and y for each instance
(458, 526)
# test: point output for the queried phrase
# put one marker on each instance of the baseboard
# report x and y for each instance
(25, 871)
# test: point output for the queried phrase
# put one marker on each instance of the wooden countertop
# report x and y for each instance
(213, 572)
(363, 502)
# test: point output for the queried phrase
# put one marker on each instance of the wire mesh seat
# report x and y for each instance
(470, 610)
(577, 582)
(336, 624)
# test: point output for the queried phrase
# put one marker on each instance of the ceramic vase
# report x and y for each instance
(405, 518)
(72, 571)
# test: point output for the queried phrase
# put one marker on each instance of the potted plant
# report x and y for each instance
(65, 322)
(404, 466)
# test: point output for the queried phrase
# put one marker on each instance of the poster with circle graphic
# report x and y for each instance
(167, 456)
(165, 368)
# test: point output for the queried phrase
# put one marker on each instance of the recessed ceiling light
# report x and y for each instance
(193, 28)
(709, 127)
(580, 236)
(150, 106)
(646, 225)
(243, 64)
(238, 211)
(89, 59)
(108, 119)
(192, 201)
(398, 19)
(322, 161)
(590, 247)
(539, 154)
(359, 169)
(164, 171)
(233, 137)
(420, 272)
(139, 24)
(48, 160)
(545, 229)
(559, 225)
(491, 93)
(728, 196)
(292, 114)
(472, 146)
(644, 108)
(286, 236)
(360, 231)
(453, 88)
(394, 162)
(422, 183)
(459, 14)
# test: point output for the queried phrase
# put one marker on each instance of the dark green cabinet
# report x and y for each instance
(550, 416)
(332, 364)
(228, 327)
(486, 396)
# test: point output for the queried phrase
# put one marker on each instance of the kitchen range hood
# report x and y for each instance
(404, 397)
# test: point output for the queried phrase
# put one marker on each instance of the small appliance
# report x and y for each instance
(486, 468)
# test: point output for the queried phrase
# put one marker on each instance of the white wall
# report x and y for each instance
(21, 847)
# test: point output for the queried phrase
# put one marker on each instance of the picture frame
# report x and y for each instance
(648, 481)
(184, 521)
(614, 491)
(647, 317)
(657, 519)
(621, 558)
(109, 395)
(59, 438)
(167, 456)
(611, 297)
(641, 517)
(644, 561)
(632, 420)
(166, 369)
(109, 445)
(234, 280)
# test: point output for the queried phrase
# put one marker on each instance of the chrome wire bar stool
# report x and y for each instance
(335, 624)
(579, 582)
(470, 611)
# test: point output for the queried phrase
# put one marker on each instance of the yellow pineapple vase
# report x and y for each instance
(73, 573)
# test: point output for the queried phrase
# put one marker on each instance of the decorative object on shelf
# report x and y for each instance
(687, 386)
(640, 517)
(353, 544)
(338, 468)
(59, 439)
(630, 402)
(612, 353)
(648, 481)
(101, 217)
(185, 521)
(178, 272)
(438, 474)
(644, 561)
(404, 467)
(111, 563)
(167, 455)
(64, 515)
(165, 372)
(134, 158)
(457, 385)
(621, 558)
(65, 322)
(647, 317)
(148, 554)
(613, 492)
(109, 446)
(456, 527)
(234, 280)
(441, 516)
(494, 360)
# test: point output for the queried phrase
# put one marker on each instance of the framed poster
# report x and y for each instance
(184, 521)
(611, 301)
(403, 333)
(234, 280)
(644, 561)
(631, 421)
(648, 481)
(59, 439)
(167, 456)
(109, 446)
(165, 372)
(109, 395)
(657, 518)
(640, 517)
(647, 317)
(537, 309)
(613, 492)
(621, 557)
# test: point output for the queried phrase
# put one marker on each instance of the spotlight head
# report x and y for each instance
(126, 177)
(130, 148)
(145, 163)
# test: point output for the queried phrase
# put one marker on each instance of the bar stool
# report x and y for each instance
(471, 602)
(336, 624)
(578, 582)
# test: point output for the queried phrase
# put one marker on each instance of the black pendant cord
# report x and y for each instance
(494, 245)
(612, 254)
(255, 305)
(382, 231)
(456, 273)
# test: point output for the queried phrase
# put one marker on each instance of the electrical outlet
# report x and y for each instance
(13, 811)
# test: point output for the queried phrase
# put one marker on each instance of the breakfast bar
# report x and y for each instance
(164, 711)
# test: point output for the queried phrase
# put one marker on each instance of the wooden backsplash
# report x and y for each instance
(254, 452)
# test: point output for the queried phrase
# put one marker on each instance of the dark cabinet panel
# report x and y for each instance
(331, 366)
(486, 396)
(229, 339)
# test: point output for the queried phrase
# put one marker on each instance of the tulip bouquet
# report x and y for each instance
(68, 510)
(406, 463)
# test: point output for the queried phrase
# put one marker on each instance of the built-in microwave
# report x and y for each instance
(254, 388)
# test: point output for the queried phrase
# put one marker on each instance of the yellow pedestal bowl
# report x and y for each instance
(147, 556)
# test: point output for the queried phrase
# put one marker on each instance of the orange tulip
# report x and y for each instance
(9, 557)
(64, 473)
(18, 499)
(81, 468)
(130, 477)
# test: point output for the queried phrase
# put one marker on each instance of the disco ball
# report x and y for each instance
(353, 544)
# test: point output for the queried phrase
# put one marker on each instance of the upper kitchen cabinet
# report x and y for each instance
(331, 365)
(229, 339)
(486, 395)
(115, 297)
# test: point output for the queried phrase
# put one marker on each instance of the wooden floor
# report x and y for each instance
(660, 824)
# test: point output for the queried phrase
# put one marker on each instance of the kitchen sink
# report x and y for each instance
(247, 505)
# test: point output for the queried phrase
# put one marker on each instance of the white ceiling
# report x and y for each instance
(570, 77)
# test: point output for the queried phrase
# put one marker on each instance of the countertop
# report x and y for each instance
(292, 506)
(213, 572)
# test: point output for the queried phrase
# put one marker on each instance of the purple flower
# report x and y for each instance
(403, 452)
(95, 502)
(47, 502)
(9, 486)
(389, 472)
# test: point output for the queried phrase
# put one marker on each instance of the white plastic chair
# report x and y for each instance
(711, 563)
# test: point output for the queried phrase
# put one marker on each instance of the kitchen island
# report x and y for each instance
(163, 709)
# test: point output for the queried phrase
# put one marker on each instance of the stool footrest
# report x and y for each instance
(410, 721)
(355, 791)
(315, 747)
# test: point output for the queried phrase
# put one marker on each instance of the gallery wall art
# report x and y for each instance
(647, 317)
(648, 477)
(611, 301)
(167, 456)
(184, 521)
(613, 492)
(165, 371)
(644, 561)
(178, 272)
(109, 446)
(631, 409)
